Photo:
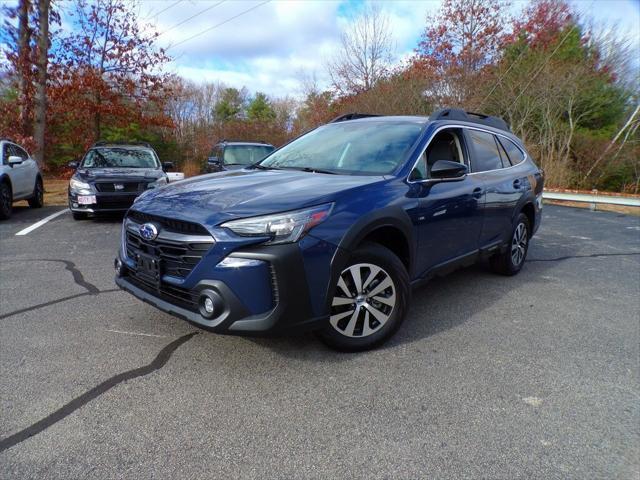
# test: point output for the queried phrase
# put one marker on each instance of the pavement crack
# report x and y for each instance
(160, 361)
(78, 278)
(593, 255)
(53, 302)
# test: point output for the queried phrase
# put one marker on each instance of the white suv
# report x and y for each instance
(20, 178)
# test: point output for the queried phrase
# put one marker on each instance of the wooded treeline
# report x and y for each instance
(568, 89)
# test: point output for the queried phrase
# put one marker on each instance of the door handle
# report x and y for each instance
(516, 183)
(477, 192)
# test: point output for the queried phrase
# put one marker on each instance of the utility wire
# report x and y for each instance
(151, 14)
(515, 62)
(191, 17)
(546, 61)
(217, 25)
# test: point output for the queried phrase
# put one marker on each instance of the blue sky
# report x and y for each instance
(274, 46)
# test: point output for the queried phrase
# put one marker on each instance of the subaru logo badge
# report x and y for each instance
(118, 186)
(148, 231)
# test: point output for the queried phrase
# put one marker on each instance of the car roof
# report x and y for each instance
(252, 144)
(121, 145)
(429, 120)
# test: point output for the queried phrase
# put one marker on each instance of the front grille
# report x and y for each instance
(169, 224)
(126, 186)
(177, 258)
(174, 295)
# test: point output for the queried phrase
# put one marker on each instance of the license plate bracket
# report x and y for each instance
(148, 267)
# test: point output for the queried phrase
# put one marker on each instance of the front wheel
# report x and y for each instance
(37, 200)
(370, 300)
(6, 201)
(512, 259)
(79, 215)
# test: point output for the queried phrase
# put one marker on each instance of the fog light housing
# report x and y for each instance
(117, 264)
(210, 304)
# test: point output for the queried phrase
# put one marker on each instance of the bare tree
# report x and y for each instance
(367, 49)
(41, 80)
(24, 64)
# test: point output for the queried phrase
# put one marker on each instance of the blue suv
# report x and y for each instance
(331, 231)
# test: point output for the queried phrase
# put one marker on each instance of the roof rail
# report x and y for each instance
(461, 115)
(353, 116)
(101, 143)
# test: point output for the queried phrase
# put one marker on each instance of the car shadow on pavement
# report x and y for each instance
(441, 304)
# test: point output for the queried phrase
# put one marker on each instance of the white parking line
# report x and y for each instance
(41, 222)
(137, 333)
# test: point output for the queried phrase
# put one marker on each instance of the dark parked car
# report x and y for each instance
(235, 155)
(111, 176)
(332, 231)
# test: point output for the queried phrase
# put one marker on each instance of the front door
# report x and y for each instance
(448, 216)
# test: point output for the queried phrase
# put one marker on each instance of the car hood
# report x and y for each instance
(215, 198)
(93, 174)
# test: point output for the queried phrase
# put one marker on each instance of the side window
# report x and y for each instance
(515, 154)
(20, 152)
(487, 156)
(5, 154)
(446, 145)
(503, 154)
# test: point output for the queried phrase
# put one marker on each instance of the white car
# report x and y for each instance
(20, 179)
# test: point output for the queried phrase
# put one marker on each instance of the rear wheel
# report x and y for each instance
(37, 201)
(6, 201)
(512, 259)
(370, 300)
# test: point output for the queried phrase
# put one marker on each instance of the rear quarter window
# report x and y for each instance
(515, 154)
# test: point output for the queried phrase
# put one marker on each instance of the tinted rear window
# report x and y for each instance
(515, 154)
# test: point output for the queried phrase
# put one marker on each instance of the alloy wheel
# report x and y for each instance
(519, 244)
(364, 300)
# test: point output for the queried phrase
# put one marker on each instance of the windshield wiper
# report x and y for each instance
(312, 170)
(262, 167)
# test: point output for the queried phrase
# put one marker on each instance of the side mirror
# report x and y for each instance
(15, 160)
(213, 160)
(446, 169)
(167, 166)
(73, 165)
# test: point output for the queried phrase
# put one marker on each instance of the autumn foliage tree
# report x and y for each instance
(456, 47)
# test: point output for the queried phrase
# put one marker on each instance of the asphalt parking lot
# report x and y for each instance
(535, 376)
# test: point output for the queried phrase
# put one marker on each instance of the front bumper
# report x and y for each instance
(292, 309)
(105, 203)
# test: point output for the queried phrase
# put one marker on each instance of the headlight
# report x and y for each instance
(282, 227)
(78, 186)
(158, 183)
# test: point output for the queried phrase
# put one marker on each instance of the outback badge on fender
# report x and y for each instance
(148, 231)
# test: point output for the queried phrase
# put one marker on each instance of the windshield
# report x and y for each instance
(372, 147)
(115, 157)
(245, 154)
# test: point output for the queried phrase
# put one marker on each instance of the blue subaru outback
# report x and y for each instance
(332, 231)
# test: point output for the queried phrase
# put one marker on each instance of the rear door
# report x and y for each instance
(490, 164)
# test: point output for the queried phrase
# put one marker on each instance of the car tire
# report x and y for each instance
(365, 313)
(37, 200)
(6, 201)
(510, 261)
(79, 215)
